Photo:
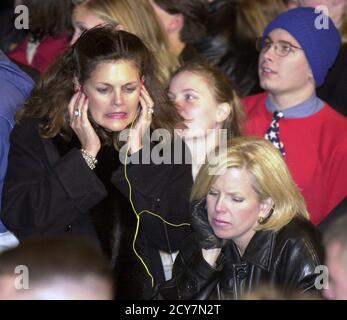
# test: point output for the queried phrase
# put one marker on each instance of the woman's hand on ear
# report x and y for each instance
(143, 122)
(80, 124)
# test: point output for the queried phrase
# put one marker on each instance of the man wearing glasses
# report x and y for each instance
(296, 52)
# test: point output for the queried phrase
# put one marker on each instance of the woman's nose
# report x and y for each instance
(220, 204)
(117, 99)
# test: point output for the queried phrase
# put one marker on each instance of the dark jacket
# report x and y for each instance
(161, 189)
(337, 213)
(223, 48)
(285, 260)
(333, 89)
(50, 190)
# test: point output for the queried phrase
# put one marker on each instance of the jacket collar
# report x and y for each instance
(259, 250)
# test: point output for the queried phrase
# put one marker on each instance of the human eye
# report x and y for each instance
(130, 89)
(267, 43)
(189, 97)
(212, 192)
(102, 90)
(237, 199)
(285, 47)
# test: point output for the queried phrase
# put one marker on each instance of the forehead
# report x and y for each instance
(314, 3)
(83, 14)
(115, 71)
(193, 80)
(281, 34)
(234, 178)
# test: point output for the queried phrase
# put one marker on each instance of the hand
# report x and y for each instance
(143, 123)
(80, 124)
(211, 256)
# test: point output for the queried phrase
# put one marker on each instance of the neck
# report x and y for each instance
(199, 147)
(177, 46)
(286, 100)
(243, 241)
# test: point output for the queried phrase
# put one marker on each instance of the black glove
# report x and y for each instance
(207, 238)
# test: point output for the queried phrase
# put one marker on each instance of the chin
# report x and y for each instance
(222, 234)
(115, 126)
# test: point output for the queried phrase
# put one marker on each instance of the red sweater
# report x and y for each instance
(316, 152)
(46, 53)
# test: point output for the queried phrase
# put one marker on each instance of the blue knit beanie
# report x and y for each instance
(321, 45)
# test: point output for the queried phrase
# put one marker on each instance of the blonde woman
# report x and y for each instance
(134, 16)
(251, 228)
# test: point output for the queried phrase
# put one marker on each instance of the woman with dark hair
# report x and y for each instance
(49, 31)
(184, 22)
(74, 120)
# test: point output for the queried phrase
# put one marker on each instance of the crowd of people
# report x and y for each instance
(190, 149)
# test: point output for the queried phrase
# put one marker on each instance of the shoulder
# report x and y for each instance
(27, 130)
(300, 235)
(333, 126)
(253, 102)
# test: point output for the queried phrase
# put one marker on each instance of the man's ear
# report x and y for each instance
(76, 84)
(223, 112)
(176, 23)
(266, 208)
(311, 77)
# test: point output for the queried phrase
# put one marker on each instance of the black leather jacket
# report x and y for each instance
(283, 260)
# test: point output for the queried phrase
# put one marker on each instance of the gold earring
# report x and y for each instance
(261, 220)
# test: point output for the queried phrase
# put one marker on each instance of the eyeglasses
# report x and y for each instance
(282, 48)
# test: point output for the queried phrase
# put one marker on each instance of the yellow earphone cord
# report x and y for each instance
(138, 215)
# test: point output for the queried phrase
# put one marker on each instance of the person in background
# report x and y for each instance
(333, 90)
(55, 268)
(233, 26)
(49, 33)
(294, 60)
(15, 87)
(335, 242)
(209, 104)
(134, 16)
(251, 229)
(184, 22)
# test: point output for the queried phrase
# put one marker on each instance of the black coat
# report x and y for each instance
(50, 190)
(223, 48)
(333, 90)
(284, 260)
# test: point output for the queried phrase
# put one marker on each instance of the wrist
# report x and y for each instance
(89, 159)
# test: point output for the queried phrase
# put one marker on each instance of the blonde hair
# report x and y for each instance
(138, 17)
(272, 178)
(343, 27)
(254, 15)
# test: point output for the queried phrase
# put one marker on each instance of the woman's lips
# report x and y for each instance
(221, 223)
(117, 115)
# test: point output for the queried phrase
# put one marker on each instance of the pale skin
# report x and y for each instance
(83, 128)
(83, 19)
(288, 80)
(233, 210)
(172, 24)
(204, 115)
